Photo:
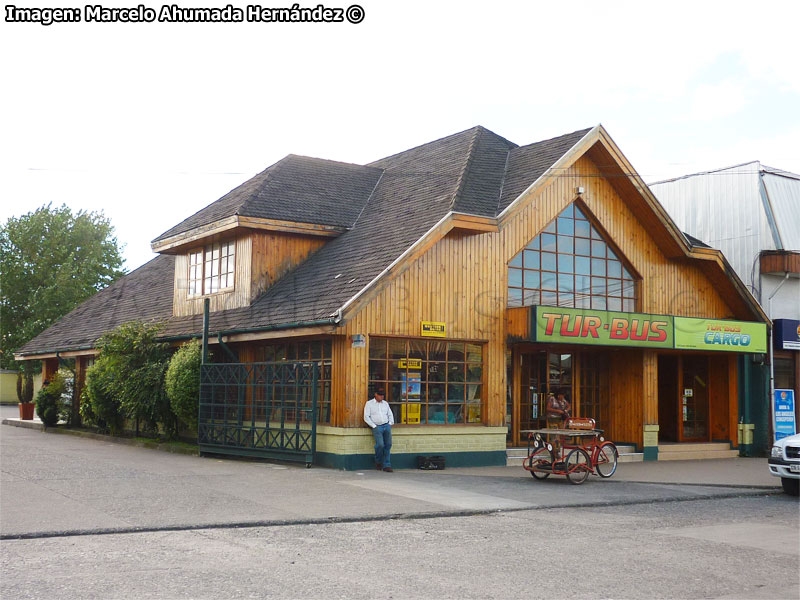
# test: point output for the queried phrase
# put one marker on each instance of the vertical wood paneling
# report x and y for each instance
(462, 280)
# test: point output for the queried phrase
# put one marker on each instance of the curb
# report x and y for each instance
(150, 445)
(372, 518)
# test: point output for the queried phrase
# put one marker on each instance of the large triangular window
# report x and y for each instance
(570, 264)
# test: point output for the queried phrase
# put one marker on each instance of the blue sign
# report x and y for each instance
(784, 414)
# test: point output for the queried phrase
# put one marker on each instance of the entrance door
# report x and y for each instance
(533, 393)
(694, 399)
(668, 398)
(541, 373)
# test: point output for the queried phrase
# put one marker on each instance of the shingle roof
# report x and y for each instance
(296, 188)
(386, 205)
(527, 163)
(144, 294)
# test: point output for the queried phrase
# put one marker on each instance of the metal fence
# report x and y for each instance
(266, 410)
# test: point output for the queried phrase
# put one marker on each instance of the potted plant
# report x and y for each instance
(25, 395)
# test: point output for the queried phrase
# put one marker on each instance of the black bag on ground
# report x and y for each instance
(430, 463)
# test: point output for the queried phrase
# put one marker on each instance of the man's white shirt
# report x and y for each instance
(377, 413)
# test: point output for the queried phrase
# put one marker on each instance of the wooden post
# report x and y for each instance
(650, 404)
(49, 368)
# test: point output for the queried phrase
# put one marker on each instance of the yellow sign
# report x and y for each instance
(409, 363)
(409, 413)
(433, 329)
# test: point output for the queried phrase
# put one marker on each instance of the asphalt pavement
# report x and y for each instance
(62, 485)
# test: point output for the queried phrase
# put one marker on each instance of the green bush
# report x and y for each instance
(183, 383)
(130, 381)
(100, 408)
(48, 401)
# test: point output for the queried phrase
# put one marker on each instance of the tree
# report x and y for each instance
(51, 260)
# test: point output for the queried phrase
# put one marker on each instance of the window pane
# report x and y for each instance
(596, 234)
(582, 246)
(566, 283)
(531, 259)
(455, 372)
(614, 269)
(598, 285)
(582, 284)
(436, 372)
(549, 298)
(628, 305)
(532, 279)
(565, 263)
(397, 348)
(599, 249)
(514, 277)
(514, 297)
(548, 242)
(567, 212)
(583, 301)
(548, 261)
(516, 261)
(614, 287)
(455, 351)
(474, 373)
(583, 228)
(614, 304)
(565, 244)
(416, 349)
(626, 274)
(599, 302)
(548, 281)
(534, 243)
(598, 266)
(628, 289)
(377, 348)
(566, 299)
(474, 353)
(582, 265)
(530, 297)
(551, 228)
(566, 226)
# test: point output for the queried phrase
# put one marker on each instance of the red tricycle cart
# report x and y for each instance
(576, 453)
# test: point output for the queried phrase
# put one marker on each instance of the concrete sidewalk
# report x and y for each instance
(66, 485)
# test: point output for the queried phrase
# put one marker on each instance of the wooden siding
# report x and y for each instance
(183, 306)
(261, 259)
(461, 280)
(274, 254)
(780, 261)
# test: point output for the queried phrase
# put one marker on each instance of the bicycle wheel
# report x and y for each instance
(541, 458)
(577, 466)
(607, 458)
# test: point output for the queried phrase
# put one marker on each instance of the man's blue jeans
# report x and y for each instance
(383, 444)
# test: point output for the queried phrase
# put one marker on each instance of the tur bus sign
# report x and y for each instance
(604, 328)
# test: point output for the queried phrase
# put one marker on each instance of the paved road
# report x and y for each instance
(91, 519)
(75, 485)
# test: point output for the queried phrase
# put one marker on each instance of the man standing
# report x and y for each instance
(379, 417)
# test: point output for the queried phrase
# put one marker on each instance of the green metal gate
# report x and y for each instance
(267, 410)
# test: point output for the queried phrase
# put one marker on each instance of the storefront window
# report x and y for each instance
(570, 264)
(431, 382)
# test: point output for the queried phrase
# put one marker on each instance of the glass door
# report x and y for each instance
(694, 399)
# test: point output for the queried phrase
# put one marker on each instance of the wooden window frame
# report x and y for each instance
(202, 259)
(396, 402)
(550, 290)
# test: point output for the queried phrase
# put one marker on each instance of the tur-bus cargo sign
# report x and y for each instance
(602, 328)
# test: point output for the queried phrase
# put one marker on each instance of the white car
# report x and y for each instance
(784, 462)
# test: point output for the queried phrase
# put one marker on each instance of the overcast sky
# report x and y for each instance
(150, 122)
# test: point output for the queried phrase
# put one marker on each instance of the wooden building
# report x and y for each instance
(470, 277)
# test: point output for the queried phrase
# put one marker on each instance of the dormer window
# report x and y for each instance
(211, 269)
